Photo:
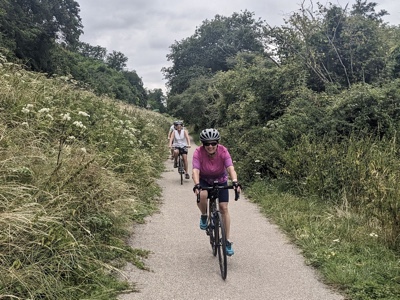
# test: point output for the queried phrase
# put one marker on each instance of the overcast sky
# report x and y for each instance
(143, 30)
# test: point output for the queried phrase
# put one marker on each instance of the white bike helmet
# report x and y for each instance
(209, 134)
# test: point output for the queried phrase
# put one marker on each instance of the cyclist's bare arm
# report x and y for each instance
(233, 175)
(196, 176)
(171, 140)
(187, 138)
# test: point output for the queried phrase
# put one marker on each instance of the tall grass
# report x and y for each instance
(361, 174)
(336, 240)
(76, 170)
(340, 202)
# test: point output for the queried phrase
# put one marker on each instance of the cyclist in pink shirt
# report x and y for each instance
(212, 162)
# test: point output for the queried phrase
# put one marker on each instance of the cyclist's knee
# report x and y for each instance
(203, 196)
(223, 208)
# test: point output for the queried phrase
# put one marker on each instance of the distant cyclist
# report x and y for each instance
(171, 130)
(179, 142)
(212, 162)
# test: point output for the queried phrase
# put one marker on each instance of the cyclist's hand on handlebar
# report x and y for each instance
(237, 186)
(197, 189)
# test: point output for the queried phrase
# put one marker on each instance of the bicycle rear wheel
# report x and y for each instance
(220, 240)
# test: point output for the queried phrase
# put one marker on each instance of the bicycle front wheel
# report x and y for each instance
(211, 233)
(220, 240)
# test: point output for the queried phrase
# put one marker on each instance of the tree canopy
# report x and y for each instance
(208, 49)
(31, 29)
(44, 35)
(336, 46)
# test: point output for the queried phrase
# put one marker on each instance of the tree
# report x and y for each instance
(362, 8)
(95, 52)
(195, 104)
(207, 51)
(116, 60)
(32, 28)
(156, 100)
(338, 48)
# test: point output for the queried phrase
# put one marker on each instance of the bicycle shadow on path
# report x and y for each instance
(265, 265)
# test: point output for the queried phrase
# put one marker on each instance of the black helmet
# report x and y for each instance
(209, 134)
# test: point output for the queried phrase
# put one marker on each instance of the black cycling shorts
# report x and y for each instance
(223, 194)
(182, 150)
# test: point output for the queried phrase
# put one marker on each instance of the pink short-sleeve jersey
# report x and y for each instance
(214, 168)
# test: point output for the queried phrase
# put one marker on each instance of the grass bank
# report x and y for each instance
(76, 171)
(335, 240)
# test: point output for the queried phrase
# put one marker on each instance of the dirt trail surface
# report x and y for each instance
(265, 265)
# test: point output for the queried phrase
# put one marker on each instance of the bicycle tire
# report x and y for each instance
(180, 167)
(220, 240)
(211, 232)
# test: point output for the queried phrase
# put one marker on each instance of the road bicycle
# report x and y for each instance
(180, 164)
(215, 226)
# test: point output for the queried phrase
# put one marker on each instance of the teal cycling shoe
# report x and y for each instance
(203, 222)
(229, 249)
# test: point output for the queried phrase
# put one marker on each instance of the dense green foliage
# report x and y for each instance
(31, 29)
(126, 86)
(336, 47)
(318, 113)
(76, 170)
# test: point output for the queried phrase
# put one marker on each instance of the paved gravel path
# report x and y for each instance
(265, 264)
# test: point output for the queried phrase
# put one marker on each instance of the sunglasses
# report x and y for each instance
(210, 144)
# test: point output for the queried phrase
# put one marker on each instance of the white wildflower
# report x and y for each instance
(44, 110)
(79, 124)
(258, 173)
(373, 234)
(25, 110)
(82, 113)
(336, 241)
(65, 117)
(257, 161)
(83, 150)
